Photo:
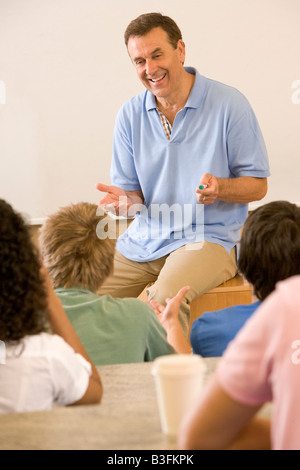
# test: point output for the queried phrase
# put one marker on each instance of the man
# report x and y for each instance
(188, 156)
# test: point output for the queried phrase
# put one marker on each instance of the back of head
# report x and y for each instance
(143, 24)
(270, 246)
(23, 301)
(72, 251)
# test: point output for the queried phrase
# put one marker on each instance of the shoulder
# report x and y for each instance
(132, 107)
(43, 347)
(224, 99)
(51, 347)
(282, 304)
(128, 306)
(132, 311)
(225, 92)
(42, 344)
(227, 313)
(63, 359)
(289, 289)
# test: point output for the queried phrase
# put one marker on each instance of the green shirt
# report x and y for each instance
(114, 331)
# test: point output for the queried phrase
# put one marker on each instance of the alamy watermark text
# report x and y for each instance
(2, 353)
(2, 92)
(158, 221)
(296, 93)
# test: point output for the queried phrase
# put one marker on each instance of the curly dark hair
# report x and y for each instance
(23, 299)
(270, 246)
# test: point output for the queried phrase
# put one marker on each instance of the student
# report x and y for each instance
(41, 369)
(260, 365)
(268, 254)
(112, 330)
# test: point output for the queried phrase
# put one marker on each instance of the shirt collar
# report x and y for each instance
(196, 96)
(72, 291)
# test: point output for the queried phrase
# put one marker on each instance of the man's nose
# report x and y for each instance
(150, 67)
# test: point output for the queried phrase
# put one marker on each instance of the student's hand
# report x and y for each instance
(168, 317)
(115, 201)
(169, 314)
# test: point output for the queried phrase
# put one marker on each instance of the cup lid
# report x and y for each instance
(178, 363)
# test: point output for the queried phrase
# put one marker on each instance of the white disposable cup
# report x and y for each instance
(179, 382)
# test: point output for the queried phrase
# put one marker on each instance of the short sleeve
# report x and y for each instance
(123, 173)
(70, 373)
(247, 152)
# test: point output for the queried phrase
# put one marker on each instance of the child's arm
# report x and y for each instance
(168, 317)
(219, 422)
(61, 326)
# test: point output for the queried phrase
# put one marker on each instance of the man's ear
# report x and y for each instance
(181, 50)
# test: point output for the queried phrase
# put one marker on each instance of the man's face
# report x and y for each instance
(158, 65)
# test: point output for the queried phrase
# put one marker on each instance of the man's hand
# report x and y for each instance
(119, 202)
(210, 193)
(243, 189)
(115, 201)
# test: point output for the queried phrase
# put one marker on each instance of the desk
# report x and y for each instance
(127, 418)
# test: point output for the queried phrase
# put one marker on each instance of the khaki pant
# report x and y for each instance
(200, 265)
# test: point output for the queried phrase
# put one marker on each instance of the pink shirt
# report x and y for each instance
(263, 363)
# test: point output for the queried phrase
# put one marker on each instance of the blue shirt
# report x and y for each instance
(217, 133)
(212, 331)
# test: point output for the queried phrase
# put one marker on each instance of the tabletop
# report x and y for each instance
(127, 418)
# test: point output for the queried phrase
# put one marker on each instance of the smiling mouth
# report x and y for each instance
(157, 80)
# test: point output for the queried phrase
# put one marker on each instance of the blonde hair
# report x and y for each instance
(72, 251)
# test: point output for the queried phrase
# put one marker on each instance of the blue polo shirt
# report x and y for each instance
(217, 133)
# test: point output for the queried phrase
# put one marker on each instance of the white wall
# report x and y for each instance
(66, 72)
